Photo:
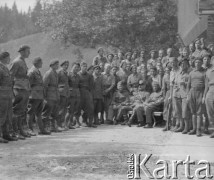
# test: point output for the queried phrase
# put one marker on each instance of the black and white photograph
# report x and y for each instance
(106, 89)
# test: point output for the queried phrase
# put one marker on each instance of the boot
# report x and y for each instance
(194, 122)
(90, 124)
(212, 135)
(21, 130)
(129, 123)
(198, 131)
(206, 126)
(186, 126)
(2, 140)
(78, 122)
(181, 127)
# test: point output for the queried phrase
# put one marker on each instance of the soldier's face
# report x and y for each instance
(142, 53)
(84, 68)
(198, 64)
(39, 65)
(185, 53)
(184, 65)
(160, 53)
(152, 54)
(55, 66)
(167, 71)
(97, 71)
(115, 56)
(155, 88)
(101, 52)
(120, 55)
(142, 87)
(114, 71)
(107, 69)
(153, 72)
(120, 87)
(65, 66)
(197, 44)
(27, 53)
(191, 47)
(110, 57)
(134, 69)
(75, 69)
(128, 56)
(206, 61)
(174, 63)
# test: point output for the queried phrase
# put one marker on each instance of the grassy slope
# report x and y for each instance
(42, 45)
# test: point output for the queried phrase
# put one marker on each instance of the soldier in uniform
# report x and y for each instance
(86, 84)
(97, 93)
(180, 57)
(165, 59)
(138, 99)
(141, 59)
(64, 94)
(153, 103)
(152, 60)
(6, 94)
(198, 51)
(133, 80)
(74, 99)
(21, 88)
(209, 93)
(52, 97)
(36, 97)
(134, 56)
(160, 55)
(100, 57)
(119, 106)
(166, 93)
(110, 58)
(123, 73)
(108, 87)
(195, 90)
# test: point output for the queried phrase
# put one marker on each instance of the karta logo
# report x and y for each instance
(136, 167)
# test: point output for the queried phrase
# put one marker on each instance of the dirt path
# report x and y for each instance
(97, 154)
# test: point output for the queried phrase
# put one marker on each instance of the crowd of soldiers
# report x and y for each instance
(120, 88)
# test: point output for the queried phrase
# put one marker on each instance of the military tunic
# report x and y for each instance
(51, 95)
(6, 95)
(64, 94)
(36, 98)
(133, 81)
(99, 59)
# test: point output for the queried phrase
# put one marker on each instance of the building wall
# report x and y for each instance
(190, 24)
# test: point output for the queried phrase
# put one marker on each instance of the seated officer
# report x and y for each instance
(153, 103)
(119, 105)
(138, 99)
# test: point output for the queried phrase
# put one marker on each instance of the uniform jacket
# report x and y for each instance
(98, 87)
(63, 83)
(156, 98)
(140, 96)
(74, 84)
(86, 81)
(182, 81)
(5, 82)
(133, 81)
(120, 97)
(50, 80)
(18, 71)
(36, 83)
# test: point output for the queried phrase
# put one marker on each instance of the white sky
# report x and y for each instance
(22, 5)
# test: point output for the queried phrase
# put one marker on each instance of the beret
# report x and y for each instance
(64, 62)
(4, 55)
(37, 60)
(54, 62)
(122, 63)
(23, 47)
(110, 54)
(99, 49)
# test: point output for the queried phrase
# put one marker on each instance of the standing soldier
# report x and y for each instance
(52, 97)
(209, 93)
(198, 51)
(152, 60)
(21, 88)
(74, 99)
(36, 97)
(6, 94)
(86, 84)
(141, 59)
(165, 59)
(99, 58)
(108, 87)
(97, 93)
(195, 89)
(64, 93)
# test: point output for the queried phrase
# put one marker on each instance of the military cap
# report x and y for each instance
(4, 55)
(198, 58)
(96, 67)
(37, 60)
(132, 66)
(23, 47)
(64, 62)
(110, 54)
(90, 67)
(54, 62)
(99, 49)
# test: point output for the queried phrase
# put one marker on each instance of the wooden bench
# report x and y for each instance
(155, 114)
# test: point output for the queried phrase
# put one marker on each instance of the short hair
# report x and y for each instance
(4, 55)
(37, 60)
